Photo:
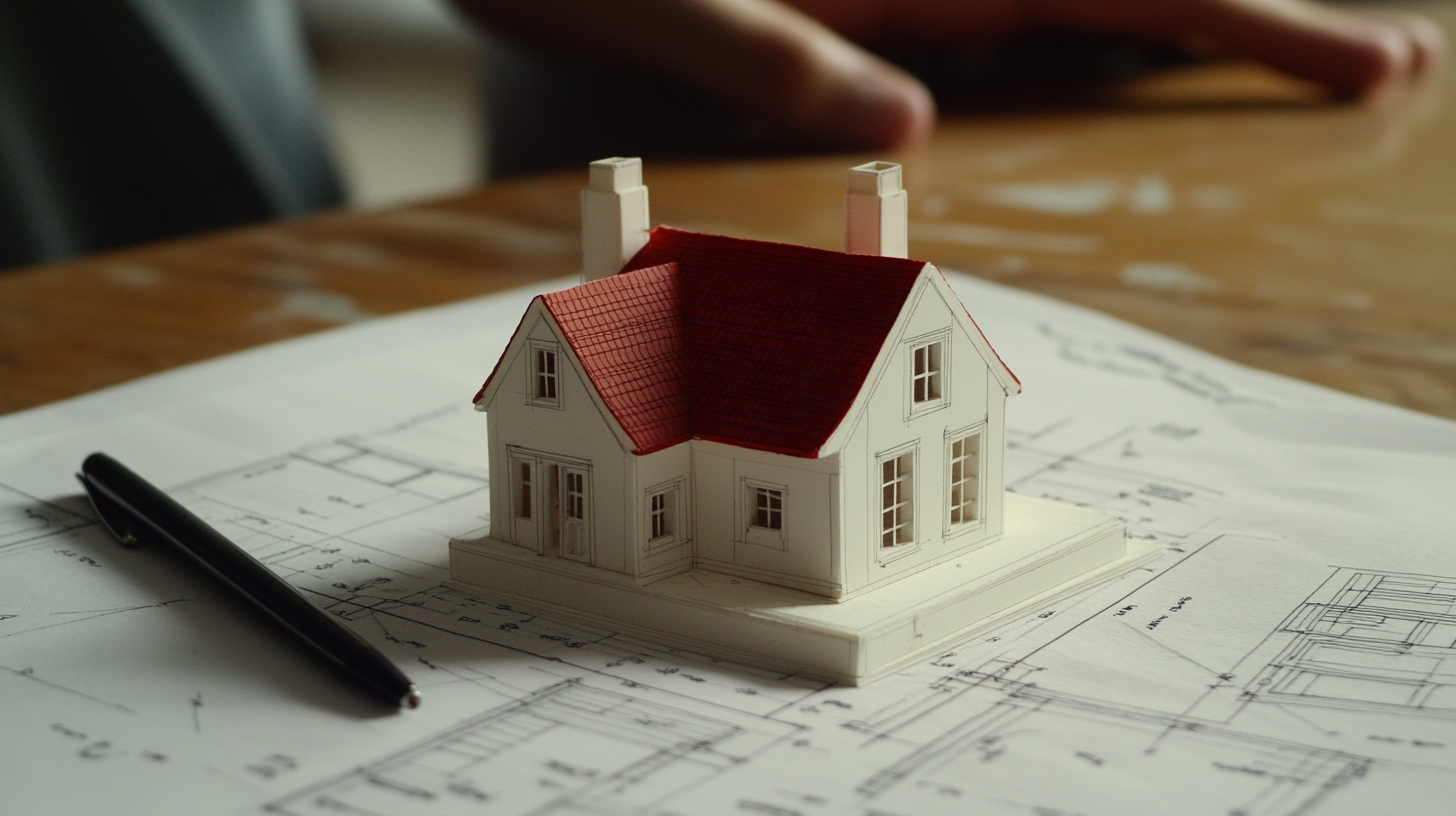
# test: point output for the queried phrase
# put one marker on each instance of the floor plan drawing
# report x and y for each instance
(341, 491)
(566, 748)
(1091, 748)
(1105, 472)
(1374, 641)
(1239, 747)
(27, 522)
(357, 522)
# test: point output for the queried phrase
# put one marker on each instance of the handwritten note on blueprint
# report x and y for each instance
(1293, 653)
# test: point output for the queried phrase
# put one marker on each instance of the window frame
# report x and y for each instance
(768, 508)
(676, 517)
(773, 537)
(537, 351)
(978, 521)
(660, 514)
(908, 496)
(939, 376)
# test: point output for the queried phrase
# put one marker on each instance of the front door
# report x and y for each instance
(550, 504)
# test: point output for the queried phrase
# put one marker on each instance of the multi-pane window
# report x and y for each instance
(897, 500)
(926, 377)
(545, 375)
(965, 478)
(661, 514)
(768, 510)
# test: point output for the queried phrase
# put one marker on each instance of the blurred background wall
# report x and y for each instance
(399, 83)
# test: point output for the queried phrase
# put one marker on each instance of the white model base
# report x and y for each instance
(1050, 550)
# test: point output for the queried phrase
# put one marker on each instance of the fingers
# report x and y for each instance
(1429, 43)
(790, 70)
(782, 66)
(1352, 53)
(762, 57)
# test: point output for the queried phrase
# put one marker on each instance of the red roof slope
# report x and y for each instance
(627, 330)
(780, 337)
(750, 343)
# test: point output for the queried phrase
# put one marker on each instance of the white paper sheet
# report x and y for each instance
(1294, 652)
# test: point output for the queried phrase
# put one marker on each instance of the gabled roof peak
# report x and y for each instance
(751, 343)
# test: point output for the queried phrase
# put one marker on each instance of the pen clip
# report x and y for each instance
(111, 513)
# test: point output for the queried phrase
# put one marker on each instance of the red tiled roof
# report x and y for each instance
(780, 337)
(627, 330)
(750, 343)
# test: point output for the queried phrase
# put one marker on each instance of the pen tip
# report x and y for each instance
(411, 699)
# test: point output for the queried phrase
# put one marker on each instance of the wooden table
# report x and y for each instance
(1220, 205)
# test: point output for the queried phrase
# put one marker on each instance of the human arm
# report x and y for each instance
(802, 65)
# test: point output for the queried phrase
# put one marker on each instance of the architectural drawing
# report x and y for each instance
(1104, 470)
(341, 493)
(1090, 749)
(566, 748)
(1233, 752)
(1366, 640)
(349, 521)
(27, 523)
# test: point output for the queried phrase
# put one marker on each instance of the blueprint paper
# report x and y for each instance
(1293, 653)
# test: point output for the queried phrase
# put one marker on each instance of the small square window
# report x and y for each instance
(763, 510)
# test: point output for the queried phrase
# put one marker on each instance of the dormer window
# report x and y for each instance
(545, 386)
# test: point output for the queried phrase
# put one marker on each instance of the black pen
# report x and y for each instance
(128, 505)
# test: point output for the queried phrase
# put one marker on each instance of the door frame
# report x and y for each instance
(548, 499)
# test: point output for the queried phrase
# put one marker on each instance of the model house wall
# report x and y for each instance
(531, 457)
(802, 552)
(619, 440)
(893, 426)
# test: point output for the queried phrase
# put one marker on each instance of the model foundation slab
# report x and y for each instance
(1050, 550)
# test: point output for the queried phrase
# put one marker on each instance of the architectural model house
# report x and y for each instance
(733, 444)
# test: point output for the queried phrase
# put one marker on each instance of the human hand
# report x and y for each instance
(800, 66)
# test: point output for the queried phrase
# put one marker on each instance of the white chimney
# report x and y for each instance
(613, 217)
(876, 211)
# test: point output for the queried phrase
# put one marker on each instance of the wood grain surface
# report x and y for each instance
(1220, 205)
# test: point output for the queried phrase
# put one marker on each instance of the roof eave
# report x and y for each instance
(486, 394)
